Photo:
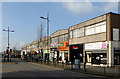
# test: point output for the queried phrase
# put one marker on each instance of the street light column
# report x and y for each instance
(8, 40)
(8, 44)
(47, 36)
(47, 31)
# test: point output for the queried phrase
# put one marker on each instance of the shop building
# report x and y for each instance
(76, 52)
(95, 42)
(59, 45)
(45, 48)
(100, 38)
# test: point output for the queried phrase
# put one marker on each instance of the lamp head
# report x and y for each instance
(12, 31)
(42, 17)
(4, 30)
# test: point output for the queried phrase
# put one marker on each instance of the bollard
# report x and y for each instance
(104, 70)
(84, 67)
(55, 63)
(71, 65)
(63, 64)
(41, 61)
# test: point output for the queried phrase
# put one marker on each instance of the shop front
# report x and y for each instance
(53, 54)
(54, 51)
(63, 51)
(76, 52)
(96, 53)
(116, 56)
(46, 54)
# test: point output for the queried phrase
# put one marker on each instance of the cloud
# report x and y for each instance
(19, 45)
(79, 7)
(59, 0)
(88, 7)
(111, 6)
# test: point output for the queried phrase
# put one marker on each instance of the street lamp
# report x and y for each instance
(47, 31)
(8, 40)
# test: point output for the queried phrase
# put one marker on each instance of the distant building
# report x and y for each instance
(59, 45)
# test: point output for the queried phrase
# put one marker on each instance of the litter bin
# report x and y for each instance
(77, 64)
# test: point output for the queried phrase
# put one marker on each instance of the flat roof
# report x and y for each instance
(95, 17)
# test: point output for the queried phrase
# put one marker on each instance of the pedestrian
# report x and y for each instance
(56, 58)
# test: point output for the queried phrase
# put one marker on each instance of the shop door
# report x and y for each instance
(76, 52)
(117, 58)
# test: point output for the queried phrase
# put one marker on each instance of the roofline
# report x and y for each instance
(94, 18)
(59, 30)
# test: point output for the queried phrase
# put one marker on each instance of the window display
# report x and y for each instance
(117, 59)
(89, 58)
(99, 58)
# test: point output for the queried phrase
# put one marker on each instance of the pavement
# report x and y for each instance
(32, 70)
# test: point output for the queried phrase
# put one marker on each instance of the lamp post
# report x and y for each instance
(47, 31)
(8, 40)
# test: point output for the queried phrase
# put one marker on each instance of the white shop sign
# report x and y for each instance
(95, 46)
(54, 44)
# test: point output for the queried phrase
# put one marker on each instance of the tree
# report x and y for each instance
(40, 35)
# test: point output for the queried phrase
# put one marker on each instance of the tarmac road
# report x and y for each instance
(24, 69)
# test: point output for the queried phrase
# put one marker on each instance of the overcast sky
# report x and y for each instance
(24, 17)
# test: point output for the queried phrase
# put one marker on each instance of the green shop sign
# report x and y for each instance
(46, 51)
(61, 44)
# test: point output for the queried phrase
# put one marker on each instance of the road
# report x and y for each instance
(24, 69)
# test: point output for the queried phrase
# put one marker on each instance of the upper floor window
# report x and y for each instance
(80, 32)
(71, 34)
(63, 38)
(115, 34)
(54, 40)
(96, 28)
(77, 33)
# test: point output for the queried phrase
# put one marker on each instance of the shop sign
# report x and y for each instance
(74, 47)
(94, 46)
(63, 46)
(46, 51)
(54, 44)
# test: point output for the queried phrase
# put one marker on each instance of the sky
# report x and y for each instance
(24, 18)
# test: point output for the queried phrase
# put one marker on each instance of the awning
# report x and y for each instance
(117, 50)
(101, 51)
(97, 51)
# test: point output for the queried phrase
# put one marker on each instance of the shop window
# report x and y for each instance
(117, 58)
(89, 58)
(99, 58)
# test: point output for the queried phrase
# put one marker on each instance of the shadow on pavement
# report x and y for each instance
(45, 74)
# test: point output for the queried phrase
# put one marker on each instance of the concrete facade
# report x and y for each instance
(55, 40)
(112, 21)
(102, 33)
